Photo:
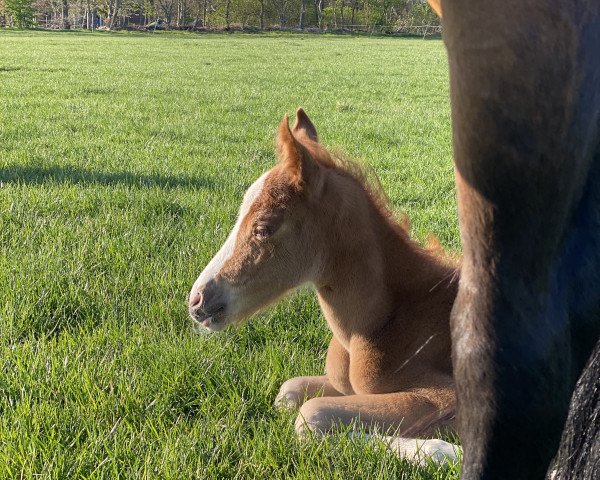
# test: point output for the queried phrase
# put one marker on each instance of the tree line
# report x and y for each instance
(318, 15)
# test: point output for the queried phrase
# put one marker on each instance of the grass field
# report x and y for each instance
(123, 159)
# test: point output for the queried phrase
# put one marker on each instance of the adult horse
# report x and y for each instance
(525, 93)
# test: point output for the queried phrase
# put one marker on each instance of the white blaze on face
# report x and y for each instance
(224, 254)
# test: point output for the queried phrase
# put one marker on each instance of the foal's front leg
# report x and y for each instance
(396, 411)
(335, 383)
(294, 391)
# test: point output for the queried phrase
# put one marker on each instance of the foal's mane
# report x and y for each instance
(367, 179)
(363, 175)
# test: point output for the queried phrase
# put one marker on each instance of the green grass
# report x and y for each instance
(123, 159)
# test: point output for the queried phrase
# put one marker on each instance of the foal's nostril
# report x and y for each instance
(195, 300)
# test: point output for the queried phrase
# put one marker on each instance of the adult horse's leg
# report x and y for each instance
(525, 113)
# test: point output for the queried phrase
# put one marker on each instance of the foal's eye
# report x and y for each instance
(262, 232)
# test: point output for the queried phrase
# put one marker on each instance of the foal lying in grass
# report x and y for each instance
(313, 219)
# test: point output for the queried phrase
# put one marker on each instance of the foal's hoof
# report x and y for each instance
(314, 419)
(287, 401)
(291, 394)
(305, 429)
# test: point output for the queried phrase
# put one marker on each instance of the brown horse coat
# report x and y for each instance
(386, 299)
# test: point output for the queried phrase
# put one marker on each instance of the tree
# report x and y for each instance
(182, 11)
(281, 9)
(65, 15)
(2, 12)
(319, 13)
(166, 9)
(302, 13)
(113, 12)
(21, 11)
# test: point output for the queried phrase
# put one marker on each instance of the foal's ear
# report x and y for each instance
(303, 126)
(293, 155)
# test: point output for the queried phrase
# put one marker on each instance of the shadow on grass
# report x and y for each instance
(10, 69)
(33, 175)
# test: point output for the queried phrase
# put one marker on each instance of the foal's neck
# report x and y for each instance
(372, 269)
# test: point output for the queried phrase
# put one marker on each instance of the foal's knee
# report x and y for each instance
(315, 417)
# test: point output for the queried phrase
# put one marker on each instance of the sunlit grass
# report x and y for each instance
(123, 159)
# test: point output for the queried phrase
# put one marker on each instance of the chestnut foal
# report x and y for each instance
(313, 219)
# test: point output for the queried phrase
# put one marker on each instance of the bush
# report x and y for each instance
(21, 11)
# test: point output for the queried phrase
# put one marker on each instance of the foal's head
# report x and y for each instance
(274, 245)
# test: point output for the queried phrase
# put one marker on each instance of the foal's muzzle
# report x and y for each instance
(207, 306)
